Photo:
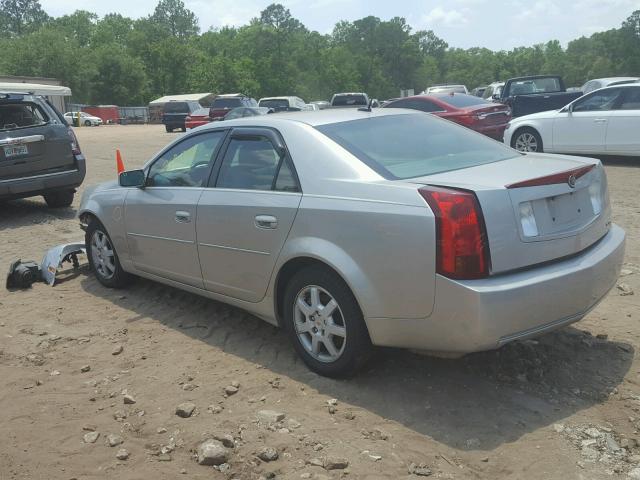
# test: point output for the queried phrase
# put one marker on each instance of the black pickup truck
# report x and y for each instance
(539, 93)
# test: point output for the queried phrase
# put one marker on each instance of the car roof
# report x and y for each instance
(227, 95)
(279, 98)
(318, 117)
(613, 79)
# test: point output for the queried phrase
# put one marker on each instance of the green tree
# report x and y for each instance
(176, 19)
(18, 17)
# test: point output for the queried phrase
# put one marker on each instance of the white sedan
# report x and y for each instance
(603, 122)
(85, 119)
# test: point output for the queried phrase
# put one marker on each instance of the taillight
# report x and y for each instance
(187, 118)
(75, 146)
(462, 251)
(467, 120)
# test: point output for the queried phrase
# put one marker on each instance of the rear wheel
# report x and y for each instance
(325, 323)
(59, 199)
(527, 140)
(103, 257)
(184, 129)
(168, 129)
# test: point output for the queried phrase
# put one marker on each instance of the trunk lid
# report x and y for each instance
(490, 114)
(537, 208)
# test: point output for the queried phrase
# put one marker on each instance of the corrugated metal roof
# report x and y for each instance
(195, 97)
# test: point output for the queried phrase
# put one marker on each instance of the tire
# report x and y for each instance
(106, 268)
(87, 123)
(168, 129)
(351, 350)
(60, 199)
(184, 129)
(527, 139)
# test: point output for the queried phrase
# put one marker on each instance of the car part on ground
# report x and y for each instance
(22, 274)
(349, 228)
(55, 258)
(39, 152)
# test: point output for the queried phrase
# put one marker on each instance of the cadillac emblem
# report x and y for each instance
(572, 181)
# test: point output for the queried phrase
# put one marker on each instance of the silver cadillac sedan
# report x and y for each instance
(353, 228)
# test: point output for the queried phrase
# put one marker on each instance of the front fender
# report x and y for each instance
(107, 205)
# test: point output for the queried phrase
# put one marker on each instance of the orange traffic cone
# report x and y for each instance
(119, 163)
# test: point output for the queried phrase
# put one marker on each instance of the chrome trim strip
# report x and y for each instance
(20, 140)
(160, 238)
(44, 175)
(224, 247)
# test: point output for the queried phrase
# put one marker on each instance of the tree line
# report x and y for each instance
(125, 61)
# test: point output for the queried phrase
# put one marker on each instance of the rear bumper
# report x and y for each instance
(42, 183)
(494, 131)
(477, 315)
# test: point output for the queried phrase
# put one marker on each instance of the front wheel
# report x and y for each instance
(87, 123)
(527, 140)
(168, 129)
(325, 323)
(103, 258)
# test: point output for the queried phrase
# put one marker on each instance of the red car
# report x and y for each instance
(478, 114)
(197, 118)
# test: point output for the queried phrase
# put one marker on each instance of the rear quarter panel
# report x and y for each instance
(384, 251)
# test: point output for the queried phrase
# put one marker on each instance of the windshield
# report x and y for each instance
(227, 103)
(176, 107)
(275, 103)
(536, 85)
(344, 100)
(408, 146)
(462, 101)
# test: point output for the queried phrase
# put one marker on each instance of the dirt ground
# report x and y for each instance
(566, 406)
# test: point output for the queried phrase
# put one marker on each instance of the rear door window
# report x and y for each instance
(21, 115)
(176, 107)
(227, 102)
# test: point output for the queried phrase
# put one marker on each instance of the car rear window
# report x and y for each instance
(414, 145)
(227, 103)
(449, 89)
(344, 100)
(176, 107)
(275, 103)
(462, 101)
(21, 115)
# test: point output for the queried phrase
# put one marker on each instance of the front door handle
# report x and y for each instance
(266, 221)
(183, 217)
(600, 120)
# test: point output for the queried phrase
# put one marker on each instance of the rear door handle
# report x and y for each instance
(183, 217)
(266, 221)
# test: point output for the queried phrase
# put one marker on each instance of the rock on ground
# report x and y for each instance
(212, 452)
(185, 409)
(270, 416)
(268, 454)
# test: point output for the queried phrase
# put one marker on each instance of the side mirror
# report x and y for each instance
(132, 178)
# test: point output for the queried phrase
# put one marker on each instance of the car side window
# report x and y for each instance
(253, 163)
(187, 164)
(601, 100)
(631, 100)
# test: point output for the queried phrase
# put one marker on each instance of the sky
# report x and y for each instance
(495, 24)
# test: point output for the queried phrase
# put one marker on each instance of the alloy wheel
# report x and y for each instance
(319, 324)
(526, 142)
(104, 260)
